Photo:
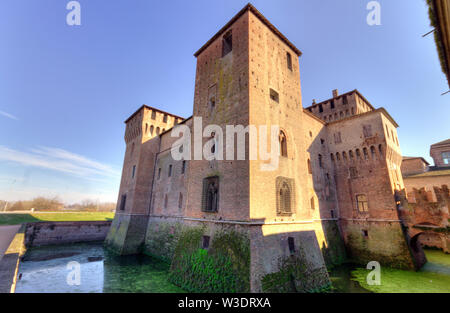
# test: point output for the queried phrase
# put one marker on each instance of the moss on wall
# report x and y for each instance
(334, 250)
(224, 267)
(162, 239)
(385, 243)
(295, 276)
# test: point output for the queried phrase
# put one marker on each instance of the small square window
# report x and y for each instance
(365, 233)
(274, 95)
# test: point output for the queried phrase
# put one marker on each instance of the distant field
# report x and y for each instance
(19, 218)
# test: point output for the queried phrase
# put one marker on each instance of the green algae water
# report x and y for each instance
(434, 277)
(45, 269)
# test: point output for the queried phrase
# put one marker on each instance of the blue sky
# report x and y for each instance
(66, 90)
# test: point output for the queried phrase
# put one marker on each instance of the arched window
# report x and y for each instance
(366, 154)
(338, 157)
(332, 157)
(146, 128)
(210, 199)
(285, 198)
(157, 130)
(151, 129)
(350, 153)
(283, 144)
(380, 149)
(372, 151)
(358, 154)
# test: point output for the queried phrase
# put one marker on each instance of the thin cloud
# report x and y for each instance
(8, 115)
(59, 160)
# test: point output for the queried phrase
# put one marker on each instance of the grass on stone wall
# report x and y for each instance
(19, 218)
(224, 267)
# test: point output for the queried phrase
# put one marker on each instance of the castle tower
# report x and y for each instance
(142, 140)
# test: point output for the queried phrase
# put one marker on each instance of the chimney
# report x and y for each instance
(314, 101)
(335, 93)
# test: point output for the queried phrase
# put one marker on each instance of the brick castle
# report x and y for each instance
(335, 195)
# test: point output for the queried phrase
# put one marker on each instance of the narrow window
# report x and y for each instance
(274, 95)
(180, 201)
(205, 242)
(227, 43)
(133, 171)
(151, 129)
(210, 199)
(157, 130)
(123, 200)
(366, 154)
(170, 171)
(291, 245)
(284, 199)
(332, 213)
(372, 151)
(320, 108)
(362, 204)
(165, 118)
(183, 167)
(344, 100)
(283, 144)
(146, 128)
(332, 104)
(159, 173)
(313, 206)
(289, 61)
(320, 161)
(166, 200)
(309, 167)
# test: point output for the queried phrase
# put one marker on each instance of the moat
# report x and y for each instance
(44, 269)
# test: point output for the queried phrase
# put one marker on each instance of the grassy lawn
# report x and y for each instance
(16, 218)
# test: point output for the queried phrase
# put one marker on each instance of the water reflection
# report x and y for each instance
(44, 269)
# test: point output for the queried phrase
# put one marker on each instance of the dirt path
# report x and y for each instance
(6, 235)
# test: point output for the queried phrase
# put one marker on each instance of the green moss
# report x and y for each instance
(225, 267)
(433, 277)
(333, 250)
(294, 276)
